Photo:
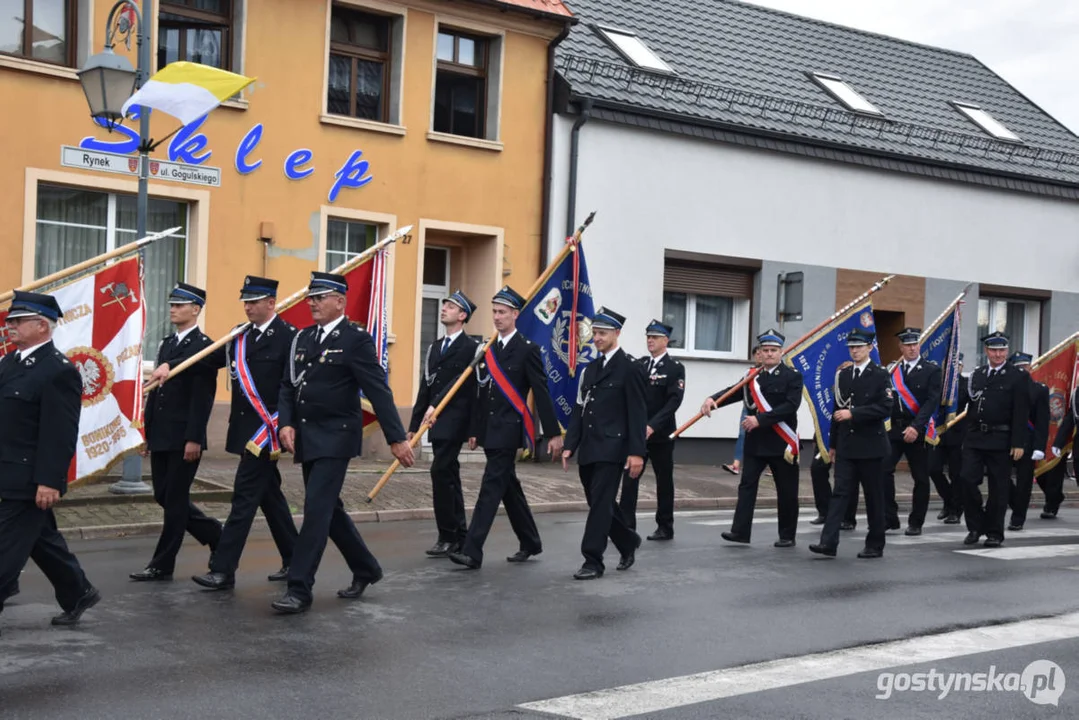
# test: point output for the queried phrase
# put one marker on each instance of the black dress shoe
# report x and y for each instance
(893, 525)
(587, 573)
(848, 526)
(215, 581)
(1049, 515)
(822, 550)
(784, 543)
(992, 542)
(279, 576)
(731, 537)
(150, 575)
(1015, 528)
(290, 604)
(439, 549)
(87, 601)
(357, 587)
(521, 556)
(626, 562)
(912, 531)
(662, 534)
(972, 538)
(819, 520)
(943, 514)
(870, 553)
(459, 558)
(951, 520)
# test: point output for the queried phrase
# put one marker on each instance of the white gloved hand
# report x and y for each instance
(1056, 452)
(1037, 455)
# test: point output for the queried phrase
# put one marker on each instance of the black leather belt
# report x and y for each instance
(987, 428)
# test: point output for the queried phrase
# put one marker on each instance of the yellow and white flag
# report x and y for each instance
(187, 90)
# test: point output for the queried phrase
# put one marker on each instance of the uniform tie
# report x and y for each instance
(445, 344)
(321, 335)
(857, 372)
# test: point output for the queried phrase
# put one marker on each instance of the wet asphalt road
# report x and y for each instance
(433, 641)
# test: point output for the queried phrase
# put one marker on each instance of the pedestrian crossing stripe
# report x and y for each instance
(1028, 552)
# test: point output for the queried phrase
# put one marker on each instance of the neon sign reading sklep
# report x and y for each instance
(191, 146)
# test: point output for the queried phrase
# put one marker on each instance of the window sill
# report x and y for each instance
(466, 141)
(361, 124)
(239, 104)
(36, 66)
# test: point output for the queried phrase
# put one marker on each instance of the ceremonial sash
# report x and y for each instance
(906, 397)
(784, 430)
(512, 397)
(267, 434)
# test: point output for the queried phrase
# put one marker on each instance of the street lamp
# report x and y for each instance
(108, 81)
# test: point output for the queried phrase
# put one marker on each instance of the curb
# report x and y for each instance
(107, 532)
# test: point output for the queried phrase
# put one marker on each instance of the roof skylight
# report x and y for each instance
(844, 93)
(986, 122)
(634, 50)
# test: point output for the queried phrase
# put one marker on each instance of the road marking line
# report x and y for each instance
(659, 695)
(1024, 553)
(926, 538)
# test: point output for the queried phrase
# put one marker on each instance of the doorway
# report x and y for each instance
(888, 323)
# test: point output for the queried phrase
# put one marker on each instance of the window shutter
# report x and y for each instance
(703, 279)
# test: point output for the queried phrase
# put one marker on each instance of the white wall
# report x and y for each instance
(655, 191)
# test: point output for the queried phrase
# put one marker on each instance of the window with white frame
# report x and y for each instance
(75, 224)
(708, 306)
(345, 239)
(1019, 319)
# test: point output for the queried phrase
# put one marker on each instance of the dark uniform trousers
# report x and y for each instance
(1052, 484)
(500, 485)
(600, 481)
(785, 475)
(997, 465)
(446, 491)
(917, 455)
(28, 532)
(324, 517)
(257, 485)
(820, 473)
(1020, 490)
(849, 473)
(945, 470)
(661, 455)
(172, 479)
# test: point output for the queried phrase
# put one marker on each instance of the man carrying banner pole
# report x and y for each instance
(858, 444)
(502, 424)
(946, 457)
(917, 385)
(771, 401)
(256, 361)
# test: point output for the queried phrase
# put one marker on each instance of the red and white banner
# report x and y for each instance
(101, 333)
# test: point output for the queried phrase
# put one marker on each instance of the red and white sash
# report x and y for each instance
(783, 429)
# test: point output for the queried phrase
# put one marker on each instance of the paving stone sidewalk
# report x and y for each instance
(94, 512)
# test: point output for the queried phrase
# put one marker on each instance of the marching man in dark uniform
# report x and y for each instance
(607, 432)
(947, 455)
(771, 424)
(859, 445)
(917, 385)
(176, 415)
(256, 360)
(502, 424)
(446, 360)
(665, 387)
(997, 436)
(1052, 482)
(40, 404)
(1034, 450)
(321, 424)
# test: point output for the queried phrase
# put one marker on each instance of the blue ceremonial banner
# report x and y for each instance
(820, 356)
(546, 321)
(940, 344)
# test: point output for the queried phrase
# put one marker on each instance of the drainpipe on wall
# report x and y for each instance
(574, 145)
(545, 211)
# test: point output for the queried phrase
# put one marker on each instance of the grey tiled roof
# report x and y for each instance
(745, 66)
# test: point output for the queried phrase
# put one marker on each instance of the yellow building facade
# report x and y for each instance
(367, 115)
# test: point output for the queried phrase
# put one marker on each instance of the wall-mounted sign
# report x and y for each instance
(189, 149)
(74, 157)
